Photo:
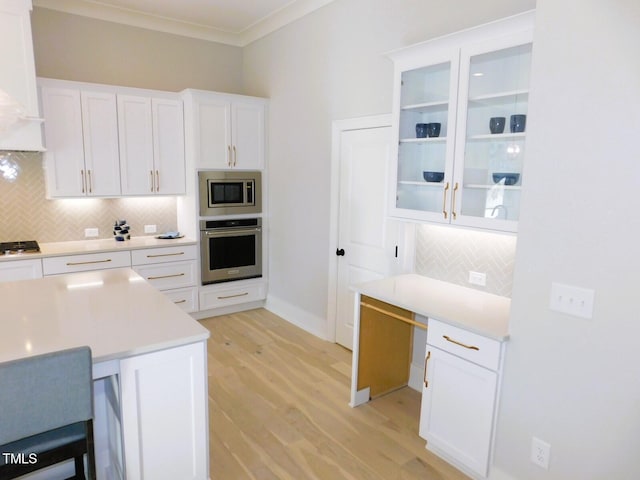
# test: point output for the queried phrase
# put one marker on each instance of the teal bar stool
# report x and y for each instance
(46, 413)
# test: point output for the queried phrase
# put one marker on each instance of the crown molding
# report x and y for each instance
(278, 19)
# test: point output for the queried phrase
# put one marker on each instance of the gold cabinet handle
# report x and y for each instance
(426, 362)
(449, 339)
(157, 180)
(151, 175)
(82, 180)
(166, 276)
(72, 264)
(229, 155)
(89, 181)
(454, 215)
(233, 296)
(235, 155)
(444, 201)
(165, 254)
(180, 301)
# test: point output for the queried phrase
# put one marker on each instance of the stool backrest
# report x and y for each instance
(45, 392)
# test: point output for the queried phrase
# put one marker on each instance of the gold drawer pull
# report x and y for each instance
(470, 347)
(393, 315)
(444, 200)
(180, 301)
(426, 361)
(166, 276)
(71, 264)
(233, 296)
(165, 255)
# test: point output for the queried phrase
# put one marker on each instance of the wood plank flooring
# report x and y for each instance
(278, 409)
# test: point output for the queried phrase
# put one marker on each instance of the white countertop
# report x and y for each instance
(114, 311)
(479, 312)
(55, 249)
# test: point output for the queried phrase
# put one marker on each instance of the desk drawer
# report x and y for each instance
(185, 298)
(465, 344)
(146, 256)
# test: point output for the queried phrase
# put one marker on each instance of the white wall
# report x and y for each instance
(572, 382)
(326, 66)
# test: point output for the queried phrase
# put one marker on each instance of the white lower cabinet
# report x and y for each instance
(20, 270)
(164, 414)
(231, 293)
(85, 262)
(172, 270)
(459, 396)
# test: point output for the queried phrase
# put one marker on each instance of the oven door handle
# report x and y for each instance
(231, 233)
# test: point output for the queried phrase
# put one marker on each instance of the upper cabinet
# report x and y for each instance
(18, 76)
(111, 141)
(460, 109)
(226, 131)
(151, 151)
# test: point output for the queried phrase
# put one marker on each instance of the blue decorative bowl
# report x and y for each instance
(509, 178)
(433, 176)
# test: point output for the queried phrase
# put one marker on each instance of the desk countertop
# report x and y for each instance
(113, 311)
(479, 312)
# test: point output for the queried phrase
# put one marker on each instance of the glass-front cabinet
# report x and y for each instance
(460, 107)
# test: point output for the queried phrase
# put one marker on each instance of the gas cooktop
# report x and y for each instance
(22, 246)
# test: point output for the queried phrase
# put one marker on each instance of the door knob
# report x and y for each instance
(340, 252)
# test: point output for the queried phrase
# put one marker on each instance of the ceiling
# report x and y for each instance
(234, 22)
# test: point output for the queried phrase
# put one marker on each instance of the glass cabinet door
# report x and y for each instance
(426, 127)
(495, 94)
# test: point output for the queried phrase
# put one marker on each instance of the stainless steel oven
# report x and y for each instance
(229, 193)
(230, 249)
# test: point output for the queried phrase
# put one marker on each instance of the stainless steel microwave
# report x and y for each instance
(229, 192)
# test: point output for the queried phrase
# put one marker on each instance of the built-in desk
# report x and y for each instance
(460, 376)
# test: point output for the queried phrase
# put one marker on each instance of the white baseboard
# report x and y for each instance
(497, 474)
(416, 376)
(300, 318)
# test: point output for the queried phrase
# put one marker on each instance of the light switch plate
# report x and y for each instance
(572, 300)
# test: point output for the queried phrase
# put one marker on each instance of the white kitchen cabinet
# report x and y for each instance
(164, 414)
(20, 270)
(225, 131)
(232, 293)
(18, 75)
(172, 270)
(151, 137)
(85, 262)
(81, 135)
(459, 396)
(460, 82)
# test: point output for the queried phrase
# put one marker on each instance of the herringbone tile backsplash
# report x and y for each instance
(25, 213)
(449, 254)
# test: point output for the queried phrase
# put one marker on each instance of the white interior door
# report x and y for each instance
(364, 234)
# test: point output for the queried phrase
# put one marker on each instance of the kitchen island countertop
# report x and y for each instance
(113, 311)
(473, 310)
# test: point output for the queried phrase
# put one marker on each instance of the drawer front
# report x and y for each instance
(221, 297)
(185, 298)
(148, 256)
(465, 344)
(85, 262)
(20, 270)
(164, 276)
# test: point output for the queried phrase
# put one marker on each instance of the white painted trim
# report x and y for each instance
(337, 127)
(272, 22)
(295, 315)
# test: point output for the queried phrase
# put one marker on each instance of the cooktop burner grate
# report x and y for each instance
(21, 246)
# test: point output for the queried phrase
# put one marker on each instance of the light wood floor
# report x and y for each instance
(278, 409)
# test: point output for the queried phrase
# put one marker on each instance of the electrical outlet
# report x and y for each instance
(571, 300)
(90, 232)
(478, 278)
(149, 229)
(540, 453)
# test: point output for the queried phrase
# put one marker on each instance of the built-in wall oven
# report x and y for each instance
(230, 249)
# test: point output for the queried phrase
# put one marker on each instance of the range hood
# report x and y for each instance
(17, 130)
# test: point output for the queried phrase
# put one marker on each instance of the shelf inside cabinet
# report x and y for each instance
(500, 97)
(424, 140)
(484, 186)
(498, 136)
(420, 183)
(423, 107)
